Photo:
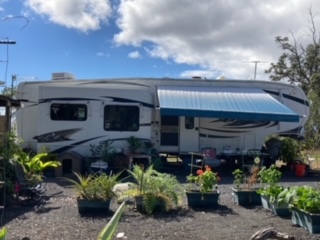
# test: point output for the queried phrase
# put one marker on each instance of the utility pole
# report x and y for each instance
(7, 42)
(255, 69)
(13, 78)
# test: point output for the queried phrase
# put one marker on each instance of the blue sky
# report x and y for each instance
(147, 38)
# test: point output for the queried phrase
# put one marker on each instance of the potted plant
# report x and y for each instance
(245, 190)
(289, 151)
(277, 205)
(304, 203)
(35, 165)
(134, 144)
(147, 145)
(94, 192)
(154, 191)
(269, 178)
(202, 189)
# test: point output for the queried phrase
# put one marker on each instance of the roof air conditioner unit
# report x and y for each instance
(62, 76)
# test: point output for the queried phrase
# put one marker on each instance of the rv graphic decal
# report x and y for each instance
(67, 99)
(216, 136)
(126, 100)
(69, 147)
(57, 136)
(114, 99)
(237, 123)
(239, 126)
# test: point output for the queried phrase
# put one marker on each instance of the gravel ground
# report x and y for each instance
(59, 218)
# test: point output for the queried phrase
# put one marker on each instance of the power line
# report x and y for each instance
(15, 17)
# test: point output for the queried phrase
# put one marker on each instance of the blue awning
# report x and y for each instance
(226, 103)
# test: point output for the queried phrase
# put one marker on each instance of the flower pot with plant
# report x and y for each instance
(202, 190)
(135, 145)
(245, 190)
(277, 205)
(289, 151)
(94, 192)
(269, 179)
(154, 191)
(304, 204)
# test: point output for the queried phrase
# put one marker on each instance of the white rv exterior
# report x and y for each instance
(97, 101)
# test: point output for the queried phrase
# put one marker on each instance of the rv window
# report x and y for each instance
(121, 118)
(68, 112)
(189, 122)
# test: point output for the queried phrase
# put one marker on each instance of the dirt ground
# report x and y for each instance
(59, 218)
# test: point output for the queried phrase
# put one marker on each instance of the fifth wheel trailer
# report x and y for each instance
(178, 115)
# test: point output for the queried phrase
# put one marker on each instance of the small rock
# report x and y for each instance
(120, 235)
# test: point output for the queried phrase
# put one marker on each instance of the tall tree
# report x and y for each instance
(300, 64)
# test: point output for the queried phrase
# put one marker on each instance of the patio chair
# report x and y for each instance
(210, 157)
(32, 192)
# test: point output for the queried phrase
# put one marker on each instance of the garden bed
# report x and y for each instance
(59, 218)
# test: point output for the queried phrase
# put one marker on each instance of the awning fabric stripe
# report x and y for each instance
(226, 103)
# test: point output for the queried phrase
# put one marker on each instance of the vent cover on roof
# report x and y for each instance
(62, 76)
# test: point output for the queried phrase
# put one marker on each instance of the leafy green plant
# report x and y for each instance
(134, 144)
(3, 233)
(245, 181)
(104, 150)
(95, 150)
(34, 166)
(154, 187)
(147, 146)
(206, 180)
(239, 177)
(8, 149)
(94, 187)
(272, 192)
(305, 198)
(271, 177)
(289, 149)
(108, 231)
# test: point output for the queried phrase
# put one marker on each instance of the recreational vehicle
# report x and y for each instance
(178, 115)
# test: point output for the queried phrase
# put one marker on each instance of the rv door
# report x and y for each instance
(189, 134)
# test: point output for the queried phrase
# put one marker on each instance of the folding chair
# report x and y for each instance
(30, 191)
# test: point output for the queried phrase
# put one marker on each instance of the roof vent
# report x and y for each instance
(62, 76)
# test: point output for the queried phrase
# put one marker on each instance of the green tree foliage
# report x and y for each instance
(8, 91)
(300, 64)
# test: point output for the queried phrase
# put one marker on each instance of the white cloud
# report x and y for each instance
(134, 54)
(212, 34)
(2, 2)
(102, 54)
(83, 15)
